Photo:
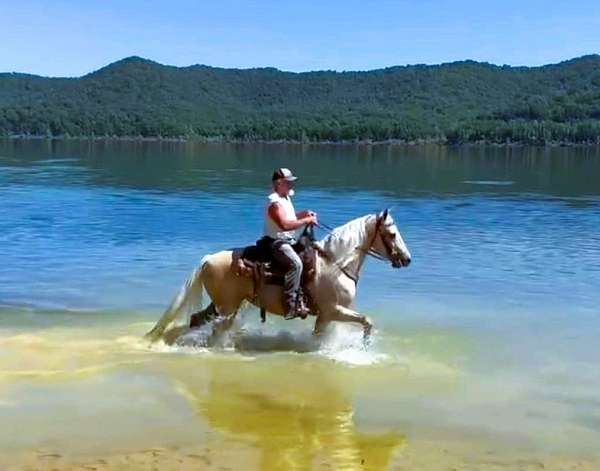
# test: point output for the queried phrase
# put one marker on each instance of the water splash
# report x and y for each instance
(342, 344)
(346, 345)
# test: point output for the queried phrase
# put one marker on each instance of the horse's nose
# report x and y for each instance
(407, 261)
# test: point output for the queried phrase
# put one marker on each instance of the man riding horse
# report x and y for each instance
(282, 223)
(235, 276)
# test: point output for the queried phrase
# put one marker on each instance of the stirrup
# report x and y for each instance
(301, 313)
(300, 310)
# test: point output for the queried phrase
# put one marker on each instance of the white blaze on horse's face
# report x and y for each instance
(389, 242)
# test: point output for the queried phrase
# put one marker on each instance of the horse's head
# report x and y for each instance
(388, 242)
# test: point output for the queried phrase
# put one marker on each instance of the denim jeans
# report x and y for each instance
(285, 255)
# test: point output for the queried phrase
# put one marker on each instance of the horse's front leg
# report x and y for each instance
(345, 314)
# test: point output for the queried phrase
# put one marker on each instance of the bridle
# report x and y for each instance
(389, 251)
(367, 249)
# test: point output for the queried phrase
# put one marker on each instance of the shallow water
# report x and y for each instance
(491, 334)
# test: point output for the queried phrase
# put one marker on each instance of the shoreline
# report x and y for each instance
(225, 453)
(353, 142)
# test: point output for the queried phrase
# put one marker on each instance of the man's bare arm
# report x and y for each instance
(277, 213)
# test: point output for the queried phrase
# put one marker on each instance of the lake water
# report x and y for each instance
(491, 335)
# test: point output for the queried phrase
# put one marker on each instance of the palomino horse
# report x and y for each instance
(332, 290)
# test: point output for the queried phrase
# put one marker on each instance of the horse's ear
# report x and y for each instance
(385, 213)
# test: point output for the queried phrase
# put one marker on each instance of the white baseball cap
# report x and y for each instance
(285, 174)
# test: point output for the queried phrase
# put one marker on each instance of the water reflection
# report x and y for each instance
(397, 170)
(298, 419)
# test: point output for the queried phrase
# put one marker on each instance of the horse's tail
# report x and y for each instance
(187, 301)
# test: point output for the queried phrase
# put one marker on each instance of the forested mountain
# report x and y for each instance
(456, 102)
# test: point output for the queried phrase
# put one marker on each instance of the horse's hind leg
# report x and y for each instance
(220, 323)
(204, 316)
(321, 324)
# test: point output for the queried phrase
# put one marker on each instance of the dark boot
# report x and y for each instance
(297, 309)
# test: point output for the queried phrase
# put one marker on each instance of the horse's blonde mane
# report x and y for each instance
(347, 237)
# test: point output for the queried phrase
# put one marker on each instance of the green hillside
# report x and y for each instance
(456, 102)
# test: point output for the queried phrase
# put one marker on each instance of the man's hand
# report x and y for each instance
(305, 213)
(312, 220)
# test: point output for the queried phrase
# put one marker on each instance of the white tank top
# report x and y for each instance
(271, 229)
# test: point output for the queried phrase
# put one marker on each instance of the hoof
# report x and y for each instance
(367, 329)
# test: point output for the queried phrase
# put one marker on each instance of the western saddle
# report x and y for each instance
(256, 262)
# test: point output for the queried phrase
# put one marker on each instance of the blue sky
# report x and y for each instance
(71, 38)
